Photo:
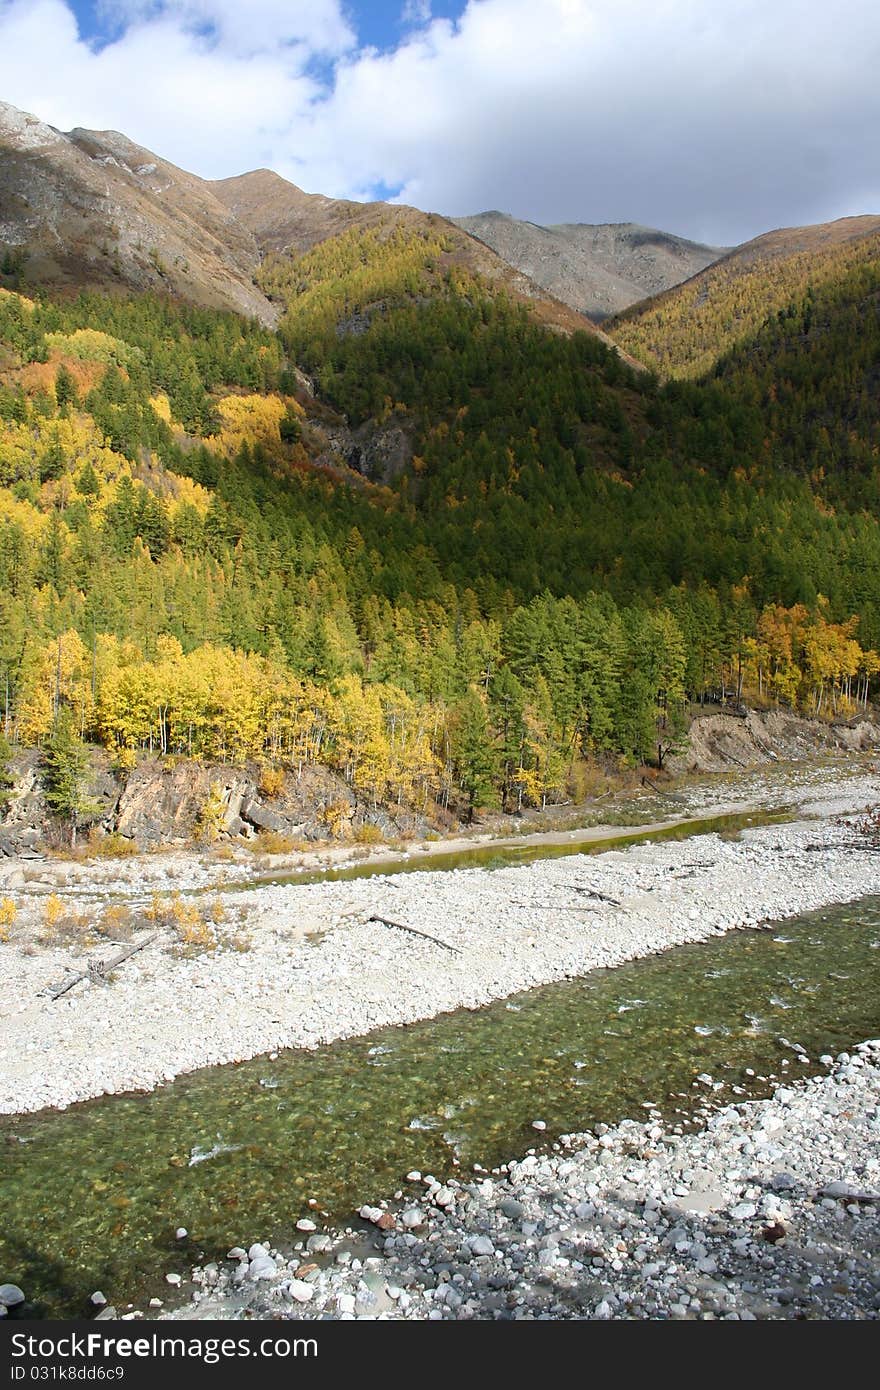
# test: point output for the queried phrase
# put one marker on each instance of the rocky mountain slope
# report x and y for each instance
(686, 330)
(597, 269)
(93, 209)
(285, 220)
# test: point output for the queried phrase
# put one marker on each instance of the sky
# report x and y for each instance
(715, 119)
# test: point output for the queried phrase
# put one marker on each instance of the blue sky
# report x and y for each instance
(377, 23)
(715, 120)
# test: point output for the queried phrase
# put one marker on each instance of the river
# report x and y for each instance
(92, 1196)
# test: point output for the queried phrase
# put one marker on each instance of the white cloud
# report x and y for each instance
(245, 27)
(713, 120)
(416, 12)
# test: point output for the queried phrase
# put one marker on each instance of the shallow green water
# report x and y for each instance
(503, 854)
(91, 1197)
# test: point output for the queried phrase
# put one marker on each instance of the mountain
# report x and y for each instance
(685, 331)
(286, 221)
(93, 208)
(597, 269)
(392, 526)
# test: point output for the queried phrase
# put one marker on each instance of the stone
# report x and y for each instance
(782, 1182)
(300, 1291)
(263, 1267)
(316, 1244)
(11, 1295)
(304, 1224)
(256, 1251)
(846, 1190)
(481, 1245)
(174, 1279)
(702, 1202)
(97, 1299)
(743, 1211)
(412, 1217)
(509, 1206)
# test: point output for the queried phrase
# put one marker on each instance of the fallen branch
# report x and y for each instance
(843, 844)
(401, 926)
(592, 893)
(97, 971)
(670, 796)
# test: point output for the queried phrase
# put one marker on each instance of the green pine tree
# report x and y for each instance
(65, 765)
(473, 753)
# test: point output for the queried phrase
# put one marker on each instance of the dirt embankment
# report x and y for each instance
(751, 738)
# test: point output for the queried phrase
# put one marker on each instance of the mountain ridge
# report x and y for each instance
(687, 329)
(597, 268)
(93, 208)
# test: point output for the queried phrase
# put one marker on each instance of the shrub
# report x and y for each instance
(271, 782)
(54, 910)
(8, 912)
(184, 917)
(274, 842)
(116, 921)
(368, 834)
(62, 925)
(211, 820)
(112, 846)
(333, 817)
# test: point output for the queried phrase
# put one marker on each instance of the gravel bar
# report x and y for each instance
(770, 1211)
(321, 968)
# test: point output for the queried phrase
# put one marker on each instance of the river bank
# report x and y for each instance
(320, 966)
(771, 1210)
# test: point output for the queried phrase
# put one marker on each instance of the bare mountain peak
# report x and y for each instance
(23, 131)
(93, 208)
(597, 268)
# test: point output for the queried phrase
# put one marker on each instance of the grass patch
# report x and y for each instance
(111, 846)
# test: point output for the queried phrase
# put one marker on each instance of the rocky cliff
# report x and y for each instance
(162, 802)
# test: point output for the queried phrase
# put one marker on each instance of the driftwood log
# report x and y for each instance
(844, 844)
(670, 796)
(401, 926)
(97, 970)
(592, 893)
